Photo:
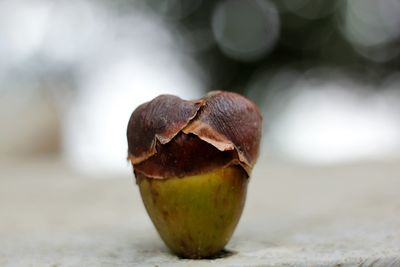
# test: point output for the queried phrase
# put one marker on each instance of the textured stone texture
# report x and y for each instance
(294, 216)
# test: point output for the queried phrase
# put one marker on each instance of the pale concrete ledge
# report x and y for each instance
(294, 216)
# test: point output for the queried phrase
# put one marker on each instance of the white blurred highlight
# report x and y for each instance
(22, 28)
(126, 72)
(322, 120)
(76, 30)
(95, 132)
(120, 60)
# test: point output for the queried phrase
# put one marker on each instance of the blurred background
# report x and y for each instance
(326, 74)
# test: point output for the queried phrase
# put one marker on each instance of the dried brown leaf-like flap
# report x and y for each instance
(230, 121)
(157, 121)
(171, 137)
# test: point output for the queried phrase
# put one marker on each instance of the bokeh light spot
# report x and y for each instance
(246, 30)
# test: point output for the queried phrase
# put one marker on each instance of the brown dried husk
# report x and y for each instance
(170, 137)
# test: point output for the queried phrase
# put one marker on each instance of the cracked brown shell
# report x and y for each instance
(171, 137)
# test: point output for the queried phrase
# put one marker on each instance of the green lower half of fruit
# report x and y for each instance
(196, 215)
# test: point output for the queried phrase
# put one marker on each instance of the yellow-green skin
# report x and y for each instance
(196, 215)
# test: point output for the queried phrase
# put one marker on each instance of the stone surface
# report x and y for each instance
(294, 216)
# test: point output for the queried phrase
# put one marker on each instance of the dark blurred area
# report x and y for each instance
(235, 39)
(324, 73)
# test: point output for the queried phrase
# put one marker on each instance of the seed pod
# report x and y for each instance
(192, 161)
